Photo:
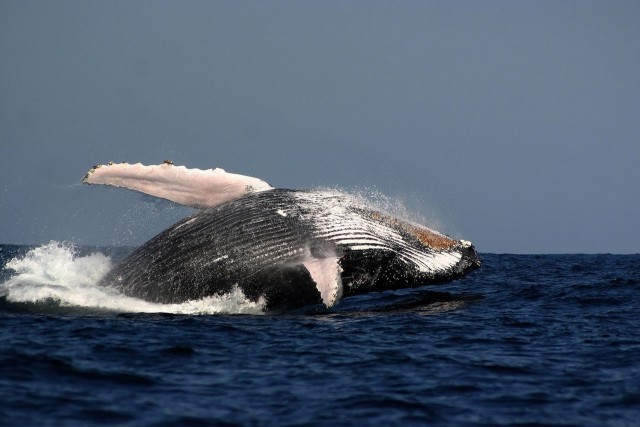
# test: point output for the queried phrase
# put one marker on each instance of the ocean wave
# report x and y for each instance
(55, 274)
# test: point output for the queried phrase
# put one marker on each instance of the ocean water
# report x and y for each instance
(530, 340)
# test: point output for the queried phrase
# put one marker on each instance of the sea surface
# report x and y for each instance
(528, 340)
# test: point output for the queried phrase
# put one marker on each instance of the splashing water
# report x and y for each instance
(56, 273)
(375, 199)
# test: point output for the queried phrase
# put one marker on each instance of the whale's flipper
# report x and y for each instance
(190, 187)
(325, 273)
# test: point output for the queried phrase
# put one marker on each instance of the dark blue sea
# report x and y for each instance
(527, 340)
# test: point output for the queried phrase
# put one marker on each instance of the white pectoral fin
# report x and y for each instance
(190, 187)
(325, 273)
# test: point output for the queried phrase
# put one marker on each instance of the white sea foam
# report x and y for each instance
(55, 272)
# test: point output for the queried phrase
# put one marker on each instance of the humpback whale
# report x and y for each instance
(293, 248)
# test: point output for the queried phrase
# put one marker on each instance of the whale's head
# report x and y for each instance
(402, 254)
(377, 251)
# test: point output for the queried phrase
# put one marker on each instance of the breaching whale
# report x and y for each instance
(292, 248)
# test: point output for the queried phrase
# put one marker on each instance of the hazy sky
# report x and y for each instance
(514, 124)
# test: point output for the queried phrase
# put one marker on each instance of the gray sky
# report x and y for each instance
(512, 124)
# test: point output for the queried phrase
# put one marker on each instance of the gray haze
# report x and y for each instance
(512, 124)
